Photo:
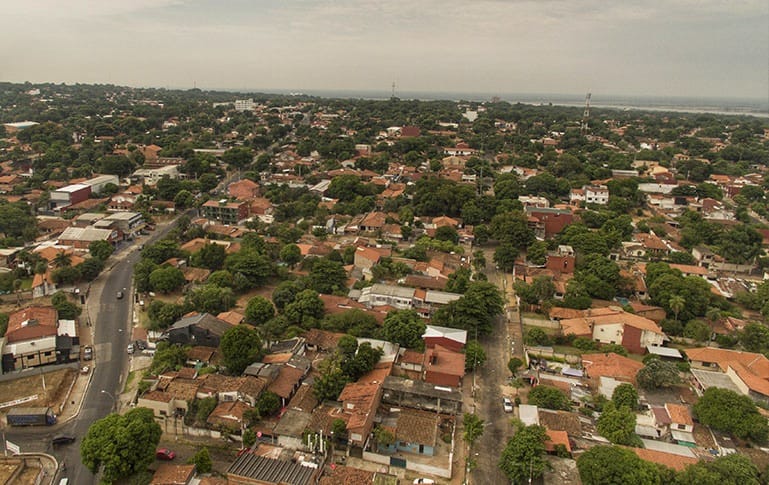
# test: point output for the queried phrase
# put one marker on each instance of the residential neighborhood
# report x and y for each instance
(287, 289)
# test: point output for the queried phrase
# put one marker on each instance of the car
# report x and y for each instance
(507, 404)
(62, 440)
(119, 295)
(87, 352)
(424, 481)
(164, 454)
(130, 348)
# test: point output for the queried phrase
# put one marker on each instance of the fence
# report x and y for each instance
(542, 323)
(409, 465)
(549, 353)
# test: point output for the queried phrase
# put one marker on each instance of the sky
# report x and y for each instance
(689, 48)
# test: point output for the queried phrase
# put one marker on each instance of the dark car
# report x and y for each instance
(62, 440)
(164, 454)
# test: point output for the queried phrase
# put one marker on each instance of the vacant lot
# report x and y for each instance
(56, 385)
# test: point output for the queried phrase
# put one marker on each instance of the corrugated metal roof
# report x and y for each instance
(271, 471)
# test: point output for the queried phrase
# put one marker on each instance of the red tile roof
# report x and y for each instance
(31, 323)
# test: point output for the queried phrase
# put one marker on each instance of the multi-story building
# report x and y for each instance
(225, 212)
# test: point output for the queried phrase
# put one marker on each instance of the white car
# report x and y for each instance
(130, 348)
(424, 481)
(507, 404)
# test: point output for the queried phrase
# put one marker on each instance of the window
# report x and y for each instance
(681, 426)
(30, 357)
(48, 354)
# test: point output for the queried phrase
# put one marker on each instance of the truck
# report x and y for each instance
(31, 417)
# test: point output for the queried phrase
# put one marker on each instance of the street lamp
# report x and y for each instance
(114, 401)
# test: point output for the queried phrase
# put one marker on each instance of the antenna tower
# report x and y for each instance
(585, 116)
(393, 94)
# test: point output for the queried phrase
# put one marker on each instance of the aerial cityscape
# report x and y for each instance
(384, 243)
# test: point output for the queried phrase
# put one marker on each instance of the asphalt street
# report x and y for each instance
(112, 330)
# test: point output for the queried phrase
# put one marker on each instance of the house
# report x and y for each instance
(366, 257)
(291, 427)
(610, 365)
(286, 383)
(449, 338)
(443, 367)
(379, 294)
(31, 338)
(243, 189)
(747, 372)
(669, 460)
(416, 432)
(199, 329)
(596, 194)
(557, 439)
(399, 391)
(151, 176)
(321, 340)
(360, 401)
(547, 222)
(681, 423)
(613, 325)
(168, 474)
(228, 415)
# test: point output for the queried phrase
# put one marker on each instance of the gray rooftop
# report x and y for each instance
(267, 470)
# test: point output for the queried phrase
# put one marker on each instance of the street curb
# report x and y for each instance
(82, 399)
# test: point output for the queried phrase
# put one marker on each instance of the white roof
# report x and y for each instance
(671, 448)
(441, 297)
(528, 414)
(664, 351)
(455, 334)
(391, 290)
(73, 188)
(67, 327)
(85, 234)
(21, 124)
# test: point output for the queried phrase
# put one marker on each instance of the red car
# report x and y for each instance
(164, 454)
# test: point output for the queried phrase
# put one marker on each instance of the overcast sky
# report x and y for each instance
(698, 48)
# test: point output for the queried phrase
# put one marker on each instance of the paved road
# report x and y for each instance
(490, 385)
(112, 330)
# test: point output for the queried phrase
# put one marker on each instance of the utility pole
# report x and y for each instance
(585, 116)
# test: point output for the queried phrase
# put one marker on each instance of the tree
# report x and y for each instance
(211, 256)
(609, 465)
(90, 268)
(166, 279)
(305, 310)
(202, 461)
(365, 358)
(549, 397)
(290, 254)
(100, 249)
(727, 411)
(210, 299)
(327, 275)
(250, 263)
(62, 260)
(537, 336)
(617, 424)
(238, 157)
(330, 380)
(505, 256)
(240, 347)
(161, 251)
(168, 357)
(732, 469)
(513, 228)
(473, 426)
(658, 373)
(625, 395)
(259, 310)
(267, 404)
(522, 457)
(537, 253)
(284, 294)
(514, 364)
(249, 438)
(119, 446)
(474, 312)
(475, 356)
(755, 337)
(65, 308)
(676, 304)
(405, 328)
(697, 330)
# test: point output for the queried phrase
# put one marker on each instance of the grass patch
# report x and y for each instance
(130, 379)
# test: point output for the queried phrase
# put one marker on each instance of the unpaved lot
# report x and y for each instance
(52, 395)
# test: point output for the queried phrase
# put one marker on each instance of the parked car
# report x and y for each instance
(424, 481)
(87, 352)
(164, 454)
(119, 295)
(507, 404)
(130, 348)
(62, 440)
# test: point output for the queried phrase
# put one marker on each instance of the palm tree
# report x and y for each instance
(17, 290)
(677, 303)
(713, 314)
(62, 260)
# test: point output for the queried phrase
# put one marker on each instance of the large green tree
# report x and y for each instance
(523, 456)
(405, 328)
(326, 276)
(617, 424)
(549, 397)
(240, 347)
(727, 411)
(120, 446)
(658, 373)
(611, 465)
(259, 310)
